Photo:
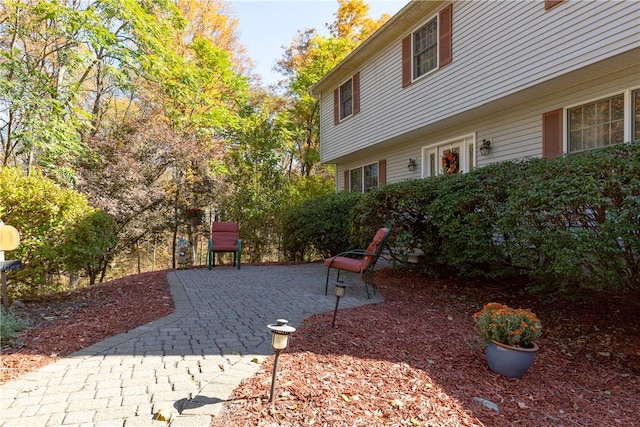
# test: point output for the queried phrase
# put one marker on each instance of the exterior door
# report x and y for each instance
(450, 157)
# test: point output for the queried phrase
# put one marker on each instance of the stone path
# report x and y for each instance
(186, 364)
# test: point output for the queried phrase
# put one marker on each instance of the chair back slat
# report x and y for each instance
(375, 247)
(224, 234)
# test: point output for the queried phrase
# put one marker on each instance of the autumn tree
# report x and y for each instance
(309, 58)
(353, 23)
(127, 101)
(169, 129)
(60, 61)
(274, 163)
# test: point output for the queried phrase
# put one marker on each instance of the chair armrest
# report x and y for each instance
(357, 252)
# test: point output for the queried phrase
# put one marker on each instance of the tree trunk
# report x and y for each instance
(73, 280)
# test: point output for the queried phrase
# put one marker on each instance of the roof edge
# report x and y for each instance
(396, 25)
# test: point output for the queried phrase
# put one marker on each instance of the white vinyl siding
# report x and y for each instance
(490, 60)
(515, 131)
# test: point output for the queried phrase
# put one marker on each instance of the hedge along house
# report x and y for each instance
(445, 87)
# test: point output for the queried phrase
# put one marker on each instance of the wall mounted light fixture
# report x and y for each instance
(412, 165)
(485, 147)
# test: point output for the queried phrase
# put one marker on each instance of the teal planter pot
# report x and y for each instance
(512, 362)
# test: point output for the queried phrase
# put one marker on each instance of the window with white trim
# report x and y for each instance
(600, 123)
(346, 99)
(428, 48)
(425, 48)
(596, 124)
(364, 178)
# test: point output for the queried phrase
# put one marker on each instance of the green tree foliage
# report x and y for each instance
(144, 107)
(60, 232)
(274, 161)
(261, 181)
(59, 62)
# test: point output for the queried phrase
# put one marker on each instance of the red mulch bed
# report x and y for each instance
(75, 320)
(414, 360)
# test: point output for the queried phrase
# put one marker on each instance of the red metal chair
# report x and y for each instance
(359, 261)
(224, 238)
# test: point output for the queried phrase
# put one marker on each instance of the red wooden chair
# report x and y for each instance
(224, 238)
(359, 261)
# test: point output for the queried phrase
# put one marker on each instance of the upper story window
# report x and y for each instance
(429, 47)
(596, 124)
(425, 49)
(346, 99)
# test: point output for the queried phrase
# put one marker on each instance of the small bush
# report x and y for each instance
(10, 326)
(59, 232)
(318, 228)
(401, 208)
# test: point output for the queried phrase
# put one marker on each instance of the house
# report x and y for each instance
(446, 87)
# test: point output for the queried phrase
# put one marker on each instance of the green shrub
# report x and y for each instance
(319, 227)
(567, 223)
(60, 232)
(575, 220)
(463, 215)
(10, 325)
(401, 208)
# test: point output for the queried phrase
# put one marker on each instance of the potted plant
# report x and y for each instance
(194, 215)
(510, 336)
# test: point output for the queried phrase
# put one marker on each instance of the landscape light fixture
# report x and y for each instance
(280, 332)
(485, 147)
(412, 165)
(340, 289)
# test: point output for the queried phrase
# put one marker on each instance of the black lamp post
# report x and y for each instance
(279, 341)
(339, 290)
